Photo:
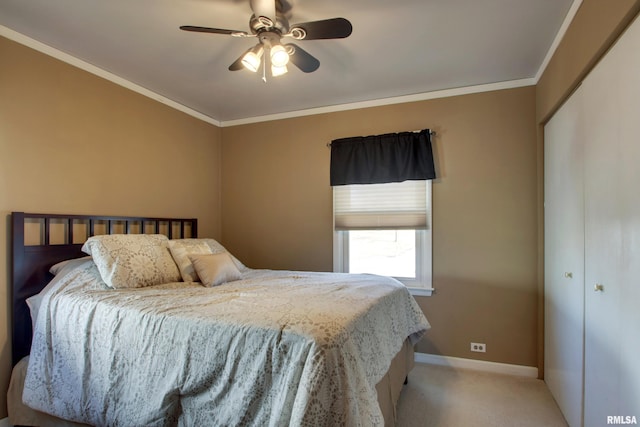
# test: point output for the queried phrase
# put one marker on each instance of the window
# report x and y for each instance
(385, 229)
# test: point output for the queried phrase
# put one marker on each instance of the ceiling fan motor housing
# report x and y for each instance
(259, 24)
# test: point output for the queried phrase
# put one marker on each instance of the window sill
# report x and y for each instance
(421, 292)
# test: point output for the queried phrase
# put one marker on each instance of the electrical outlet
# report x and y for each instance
(479, 347)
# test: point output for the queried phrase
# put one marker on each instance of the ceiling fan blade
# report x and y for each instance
(265, 8)
(213, 30)
(335, 28)
(303, 59)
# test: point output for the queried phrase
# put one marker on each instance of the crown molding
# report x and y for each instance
(446, 93)
(568, 19)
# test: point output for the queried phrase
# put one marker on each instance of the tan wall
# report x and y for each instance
(71, 142)
(277, 210)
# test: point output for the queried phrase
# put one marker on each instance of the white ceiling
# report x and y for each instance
(396, 49)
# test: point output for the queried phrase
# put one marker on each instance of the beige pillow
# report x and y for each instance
(132, 260)
(181, 249)
(216, 247)
(215, 269)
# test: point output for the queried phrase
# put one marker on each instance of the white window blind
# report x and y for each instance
(397, 205)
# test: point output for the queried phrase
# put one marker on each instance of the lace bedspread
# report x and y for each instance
(274, 348)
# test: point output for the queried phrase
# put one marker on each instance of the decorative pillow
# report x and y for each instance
(215, 269)
(216, 247)
(181, 249)
(132, 260)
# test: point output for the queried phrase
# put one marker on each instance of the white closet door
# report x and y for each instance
(629, 176)
(611, 96)
(564, 258)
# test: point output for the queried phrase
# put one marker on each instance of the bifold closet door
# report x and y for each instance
(611, 98)
(564, 258)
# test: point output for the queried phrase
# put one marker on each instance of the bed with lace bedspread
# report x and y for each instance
(273, 348)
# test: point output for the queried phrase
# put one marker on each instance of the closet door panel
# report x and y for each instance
(564, 258)
(629, 178)
(602, 252)
(612, 233)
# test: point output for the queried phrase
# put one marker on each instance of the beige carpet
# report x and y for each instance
(447, 397)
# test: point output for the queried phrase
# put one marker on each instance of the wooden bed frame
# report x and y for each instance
(31, 262)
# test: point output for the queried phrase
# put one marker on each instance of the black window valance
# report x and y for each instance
(377, 159)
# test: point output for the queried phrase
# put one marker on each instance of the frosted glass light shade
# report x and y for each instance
(278, 71)
(251, 61)
(279, 56)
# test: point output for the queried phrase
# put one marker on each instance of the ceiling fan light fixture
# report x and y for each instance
(279, 56)
(278, 71)
(251, 59)
(269, 24)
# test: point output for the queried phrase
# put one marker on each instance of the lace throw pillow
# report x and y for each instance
(133, 260)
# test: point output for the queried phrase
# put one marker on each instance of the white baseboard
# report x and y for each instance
(478, 365)
(5, 422)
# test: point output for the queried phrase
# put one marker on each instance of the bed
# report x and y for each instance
(250, 347)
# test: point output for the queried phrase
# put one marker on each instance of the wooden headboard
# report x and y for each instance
(42, 240)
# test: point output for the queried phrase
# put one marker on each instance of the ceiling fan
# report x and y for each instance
(270, 25)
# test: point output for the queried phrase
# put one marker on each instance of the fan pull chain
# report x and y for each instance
(264, 70)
